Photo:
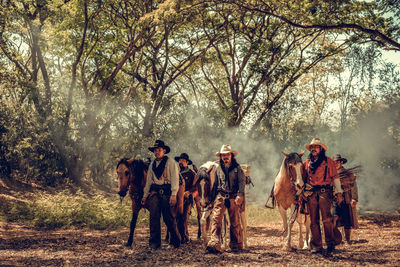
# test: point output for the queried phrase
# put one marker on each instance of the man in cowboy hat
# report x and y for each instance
(230, 187)
(323, 177)
(190, 190)
(350, 197)
(162, 184)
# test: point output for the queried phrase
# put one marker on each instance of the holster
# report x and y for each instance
(162, 190)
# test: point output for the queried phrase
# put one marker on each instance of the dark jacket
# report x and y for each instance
(236, 183)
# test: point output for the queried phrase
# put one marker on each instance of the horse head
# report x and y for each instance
(295, 169)
(125, 175)
(205, 181)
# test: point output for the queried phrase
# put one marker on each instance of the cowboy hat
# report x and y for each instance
(338, 157)
(226, 149)
(160, 143)
(316, 141)
(184, 156)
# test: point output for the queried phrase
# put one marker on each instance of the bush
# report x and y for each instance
(64, 210)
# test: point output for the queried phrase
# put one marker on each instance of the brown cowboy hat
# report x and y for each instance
(184, 156)
(225, 149)
(338, 157)
(160, 143)
(316, 141)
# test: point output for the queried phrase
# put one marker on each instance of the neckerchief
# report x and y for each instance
(158, 170)
(314, 164)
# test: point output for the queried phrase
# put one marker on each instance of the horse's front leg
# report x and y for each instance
(289, 228)
(284, 220)
(308, 232)
(198, 209)
(204, 224)
(300, 220)
(135, 212)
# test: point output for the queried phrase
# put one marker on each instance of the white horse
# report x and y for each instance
(288, 184)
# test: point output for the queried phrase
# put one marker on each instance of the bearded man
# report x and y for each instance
(230, 195)
(190, 193)
(323, 177)
(162, 184)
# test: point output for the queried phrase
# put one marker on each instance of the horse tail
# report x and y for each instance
(272, 197)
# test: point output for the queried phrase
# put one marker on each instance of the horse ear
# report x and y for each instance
(286, 155)
(301, 153)
(130, 160)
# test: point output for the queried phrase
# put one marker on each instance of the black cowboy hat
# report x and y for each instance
(338, 157)
(160, 143)
(184, 156)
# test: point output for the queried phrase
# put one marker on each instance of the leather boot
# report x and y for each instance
(347, 235)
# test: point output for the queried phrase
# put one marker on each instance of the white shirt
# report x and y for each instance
(169, 176)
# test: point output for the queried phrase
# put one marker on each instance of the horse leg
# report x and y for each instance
(300, 222)
(289, 229)
(243, 221)
(135, 212)
(205, 224)
(308, 232)
(198, 209)
(284, 219)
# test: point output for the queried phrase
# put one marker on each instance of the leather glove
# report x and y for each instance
(238, 200)
(339, 198)
(172, 200)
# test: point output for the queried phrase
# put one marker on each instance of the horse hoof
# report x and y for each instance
(128, 245)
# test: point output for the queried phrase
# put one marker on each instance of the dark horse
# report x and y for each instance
(132, 176)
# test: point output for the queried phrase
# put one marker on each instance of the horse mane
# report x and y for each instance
(137, 167)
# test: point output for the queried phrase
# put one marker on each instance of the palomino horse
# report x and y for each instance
(288, 185)
(207, 190)
(132, 175)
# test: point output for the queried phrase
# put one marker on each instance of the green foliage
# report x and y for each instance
(65, 210)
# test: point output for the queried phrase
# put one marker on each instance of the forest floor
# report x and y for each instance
(376, 242)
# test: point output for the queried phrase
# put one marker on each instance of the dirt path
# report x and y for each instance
(377, 242)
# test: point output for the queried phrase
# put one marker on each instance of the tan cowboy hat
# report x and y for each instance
(226, 149)
(316, 141)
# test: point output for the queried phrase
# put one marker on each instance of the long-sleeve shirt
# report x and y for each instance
(319, 178)
(169, 176)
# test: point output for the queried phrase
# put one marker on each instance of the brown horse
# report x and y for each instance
(132, 175)
(289, 184)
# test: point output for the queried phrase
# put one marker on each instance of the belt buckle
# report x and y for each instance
(161, 191)
(323, 190)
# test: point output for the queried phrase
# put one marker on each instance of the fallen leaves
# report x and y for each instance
(375, 242)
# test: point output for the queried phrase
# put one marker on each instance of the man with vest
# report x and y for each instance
(230, 195)
(162, 184)
(190, 190)
(350, 197)
(323, 177)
